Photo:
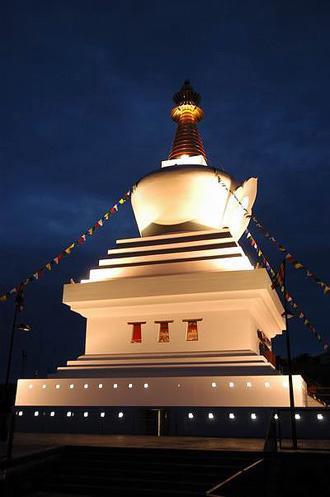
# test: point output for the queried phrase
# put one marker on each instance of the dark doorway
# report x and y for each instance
(156, 422)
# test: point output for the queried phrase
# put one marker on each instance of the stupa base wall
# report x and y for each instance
(220, 391)
(212, 421)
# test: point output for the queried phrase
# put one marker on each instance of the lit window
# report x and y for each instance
(211, 415)
(320, 417)
(58, 386)
(253, 416)
(86, 414)
(276, 416)
(213, 384)
(20, 413)
(30, 386)
(297, 416)
(44, 386)
(86, 385)
(120, 414)
(130, 385)
(146, 385)
(52, 414)
(69, 414)
(231, 415)
(285, 384)
(190, 415)
(72, 386)
(267, 384)
(115, 385)
(248, 384)
(102, 414)
(100, 385)
(137, 331)
(231, 384)
(192, 329)
(36, 413)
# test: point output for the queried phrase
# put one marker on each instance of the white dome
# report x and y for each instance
(190, 197)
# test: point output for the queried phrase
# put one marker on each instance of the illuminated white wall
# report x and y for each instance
(222, 330)
(261, 391)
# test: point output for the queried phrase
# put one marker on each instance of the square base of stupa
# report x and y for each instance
(131, 373)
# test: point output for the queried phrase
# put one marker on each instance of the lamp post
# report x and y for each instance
(288, 346)
(19, 300)
(19, 305)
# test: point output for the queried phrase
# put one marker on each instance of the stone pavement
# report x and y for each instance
(29, 443)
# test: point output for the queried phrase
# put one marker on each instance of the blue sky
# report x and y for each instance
(85, 95)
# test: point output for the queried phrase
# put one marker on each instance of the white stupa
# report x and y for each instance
(177, 318)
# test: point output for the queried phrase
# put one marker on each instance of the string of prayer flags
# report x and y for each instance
(325, 287)
(278, 279)
(291, 259)
(279, 276)
(67, 251)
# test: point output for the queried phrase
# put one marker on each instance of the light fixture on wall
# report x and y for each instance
(26, 328)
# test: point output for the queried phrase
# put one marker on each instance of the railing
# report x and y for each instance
(316, 438)
(216, 488)
(270, 447)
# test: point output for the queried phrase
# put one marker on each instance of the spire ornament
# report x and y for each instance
(187, 113)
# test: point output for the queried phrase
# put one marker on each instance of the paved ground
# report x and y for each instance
(55, 439)
(28, 443)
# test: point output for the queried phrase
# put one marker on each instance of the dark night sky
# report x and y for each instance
(85, 93)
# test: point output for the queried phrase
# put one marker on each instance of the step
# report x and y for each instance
(120, 490)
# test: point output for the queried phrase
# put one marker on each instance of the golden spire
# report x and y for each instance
(186, 113)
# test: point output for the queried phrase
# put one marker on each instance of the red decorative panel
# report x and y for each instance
(164, 335)
(137, 331)
(192, 329)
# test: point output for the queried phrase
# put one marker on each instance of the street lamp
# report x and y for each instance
(26, 328)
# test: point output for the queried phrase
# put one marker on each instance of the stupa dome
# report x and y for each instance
(186, 194)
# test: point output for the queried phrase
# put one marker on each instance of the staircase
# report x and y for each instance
(96, 471)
